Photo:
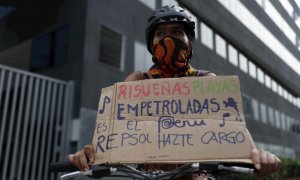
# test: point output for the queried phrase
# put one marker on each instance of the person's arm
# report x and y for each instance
(83, 157)
(135, 76)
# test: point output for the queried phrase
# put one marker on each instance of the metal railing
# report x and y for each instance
(35, 115)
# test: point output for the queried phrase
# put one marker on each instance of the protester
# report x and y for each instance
(170, 33)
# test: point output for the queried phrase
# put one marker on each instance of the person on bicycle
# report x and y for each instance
(170, 34)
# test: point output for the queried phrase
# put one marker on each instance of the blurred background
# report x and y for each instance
(56, 55)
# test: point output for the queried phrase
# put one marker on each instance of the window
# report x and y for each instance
(263, 113)
(232, 55)
(260, 76)
(206, 36)
(288, 123)
(168, 2)
(221, 46)
(255, 109)
(274, 86)
(277, 119)
(110, 47)
(50, 49)
(142, 58)
(271, 116)
(243, 63)
(280, 90)
(285, 95)
(246, 106)
(252, 69)
(268, 81)
(283, 122)
(149, 3)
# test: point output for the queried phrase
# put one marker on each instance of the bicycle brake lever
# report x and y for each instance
(237, 169)
(75, 174)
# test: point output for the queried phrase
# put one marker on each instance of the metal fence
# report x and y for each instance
(35, 114)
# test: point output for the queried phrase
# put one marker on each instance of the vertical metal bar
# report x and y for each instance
(38, 129)
(18, 129)
(5, 112)
(2, 75)
(11, 127)
(33, 119)
(57, 125)
(25, 128)
(43, 141)
(50, 135)
(68, 108)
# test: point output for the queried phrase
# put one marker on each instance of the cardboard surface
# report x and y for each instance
(172, 120)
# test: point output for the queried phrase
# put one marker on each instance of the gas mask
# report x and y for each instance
(171, 54)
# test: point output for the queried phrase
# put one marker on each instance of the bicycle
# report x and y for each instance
(117, 170)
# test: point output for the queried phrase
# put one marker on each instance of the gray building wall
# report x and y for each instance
(129, 19)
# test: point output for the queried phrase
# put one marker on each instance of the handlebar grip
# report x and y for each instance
(62, 167)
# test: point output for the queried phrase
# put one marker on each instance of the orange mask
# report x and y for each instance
(171, 54)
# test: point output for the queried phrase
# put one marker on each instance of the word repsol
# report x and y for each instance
(168, 107)
(110, 141)
(232, 137)
(128, 91)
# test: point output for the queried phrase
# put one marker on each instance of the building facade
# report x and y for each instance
(97, 43)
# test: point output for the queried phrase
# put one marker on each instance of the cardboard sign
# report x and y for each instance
(172, 120)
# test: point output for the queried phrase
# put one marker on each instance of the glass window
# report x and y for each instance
(263, 113)
(261, 3)
(110, 47)
(61, 45)
(271, 116)
(41, 52)
(280, 91)
(196, 22)
(277, 119)
(268, 81)
(288, 123)
(246, 106)
(285, 95)
(243, 63)
(168, 2)
(255, 109)
(260, 76)
(252, 69)
(206, 36)
(50, 49)
(274, 86)
(232, 55)
(150, 3)
(293, 124)
(220, 46)
(287, 6)
(280, 22)
(142, 58)
(283, 122)
(254, 25)
(290, 98)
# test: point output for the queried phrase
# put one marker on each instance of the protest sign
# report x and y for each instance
(172, 120)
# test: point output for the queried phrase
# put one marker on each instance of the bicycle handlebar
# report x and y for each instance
(108, 170)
